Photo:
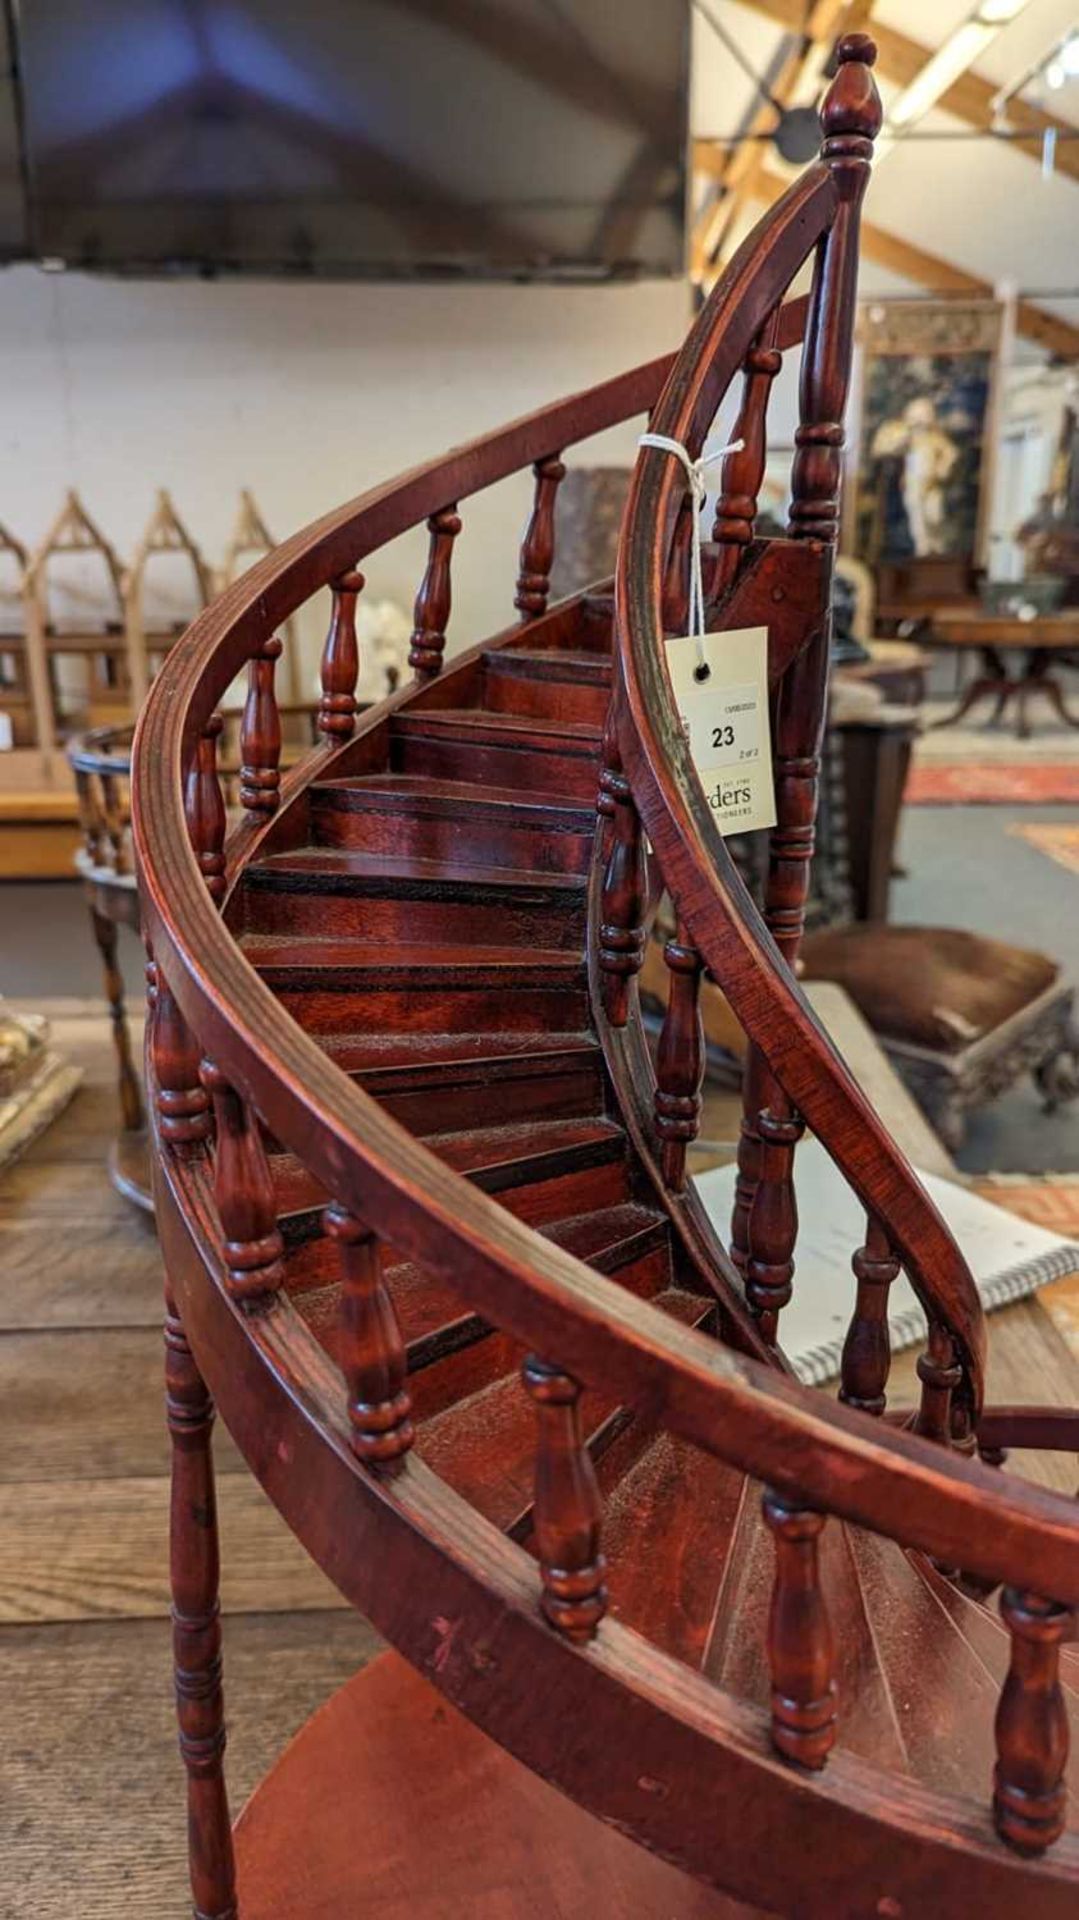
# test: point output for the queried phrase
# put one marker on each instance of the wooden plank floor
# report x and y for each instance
(91, 1787)
(91, 1791)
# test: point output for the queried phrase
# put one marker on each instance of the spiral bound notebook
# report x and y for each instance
(1008, 1257)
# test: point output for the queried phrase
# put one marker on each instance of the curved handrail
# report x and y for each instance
(709, 894)
(895, 1483)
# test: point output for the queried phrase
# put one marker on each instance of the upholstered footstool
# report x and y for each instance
(962, 1017)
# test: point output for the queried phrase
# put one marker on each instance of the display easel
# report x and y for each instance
(165, 533)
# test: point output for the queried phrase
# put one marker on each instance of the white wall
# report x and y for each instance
(307, 394)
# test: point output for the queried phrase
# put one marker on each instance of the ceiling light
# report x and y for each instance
(1055, 75)
(961, 49)
(997, 13)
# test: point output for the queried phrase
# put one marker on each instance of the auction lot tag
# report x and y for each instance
(724, 707)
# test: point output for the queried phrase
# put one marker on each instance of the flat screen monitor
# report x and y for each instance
(380, 138)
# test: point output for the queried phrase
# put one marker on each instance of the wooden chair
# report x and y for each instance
(431, 1250)
(101, 763)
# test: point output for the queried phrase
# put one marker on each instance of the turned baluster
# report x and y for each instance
(567, 1510)
(1029, 1788)
(743, 468)
(773, 1215)
(801, 1652)
(537, 547)
(204, 810)
(253, 1249)
(625, 884)
(674, 604)
(373, 1352)
(940, 1376)
(432, 609)
(755, 1079)
(260, 734)
(196, 1626)
(183, 1109)
(340, 661)
(680, 1060)
(867, 1354)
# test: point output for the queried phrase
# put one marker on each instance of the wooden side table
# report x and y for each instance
(993, 635)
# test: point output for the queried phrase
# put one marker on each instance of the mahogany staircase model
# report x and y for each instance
(431, 1247)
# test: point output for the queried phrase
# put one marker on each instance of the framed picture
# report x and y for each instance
(923, 443)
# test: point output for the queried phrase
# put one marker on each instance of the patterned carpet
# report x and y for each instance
(1060, 843)
(966, 783)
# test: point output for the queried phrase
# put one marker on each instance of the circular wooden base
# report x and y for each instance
(389, 1801)
(129, 1169)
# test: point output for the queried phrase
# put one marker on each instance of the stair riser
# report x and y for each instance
(570, 776)
(313, 1260)
(480, 839)
(449, 1009)
(498, 1098)
(577, 1093)
(557, 924)
(546, 699)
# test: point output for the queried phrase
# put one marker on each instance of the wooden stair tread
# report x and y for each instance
(433, 1317)
(373, 1054)
(279, 954)
(343, 868)
(426, 793)
(554, 663)
(667, 1528)
(736, 1655)
(485, 1446)
(489, 1155)
(571, 735)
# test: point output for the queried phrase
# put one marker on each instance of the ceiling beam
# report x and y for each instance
(940, 276)
(741, 166)
(970, 98)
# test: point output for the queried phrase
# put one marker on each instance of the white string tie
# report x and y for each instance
(698, 488)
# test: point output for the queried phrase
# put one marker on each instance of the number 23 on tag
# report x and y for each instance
(723, 701)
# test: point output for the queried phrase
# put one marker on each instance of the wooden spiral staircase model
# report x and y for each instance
(431, 1248)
